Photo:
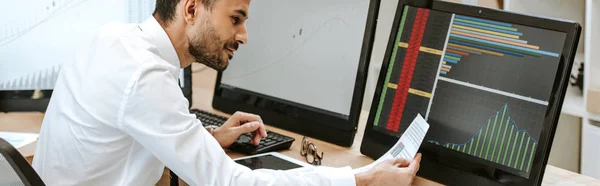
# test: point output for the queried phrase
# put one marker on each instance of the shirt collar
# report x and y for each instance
(160, 38)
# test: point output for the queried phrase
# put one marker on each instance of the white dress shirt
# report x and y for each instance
(117, 116)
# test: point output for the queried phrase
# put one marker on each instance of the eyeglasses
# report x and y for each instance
(309, 151)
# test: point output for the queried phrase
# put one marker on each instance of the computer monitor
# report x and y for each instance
(490, 83)
(304, 67)
(48, 33)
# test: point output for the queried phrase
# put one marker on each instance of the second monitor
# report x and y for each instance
(304, 67)
(490, 84)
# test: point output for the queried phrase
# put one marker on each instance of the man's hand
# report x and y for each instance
(391, 172)
(240, 123)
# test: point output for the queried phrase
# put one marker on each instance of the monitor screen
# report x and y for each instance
(306, 53)
(483, 86)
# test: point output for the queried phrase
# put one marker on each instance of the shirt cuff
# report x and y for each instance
(338, 176)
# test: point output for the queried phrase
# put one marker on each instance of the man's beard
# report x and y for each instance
(208, 49)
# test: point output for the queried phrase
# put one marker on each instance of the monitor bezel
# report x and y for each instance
(19, 104)
(374, 144)
(300, 118)
(10, 101)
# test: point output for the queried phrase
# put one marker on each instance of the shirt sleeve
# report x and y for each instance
(155, 113)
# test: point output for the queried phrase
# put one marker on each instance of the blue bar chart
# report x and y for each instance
(469, 35)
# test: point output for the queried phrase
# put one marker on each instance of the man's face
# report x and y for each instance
(218, 31)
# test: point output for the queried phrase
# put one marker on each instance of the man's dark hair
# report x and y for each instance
(165, 9)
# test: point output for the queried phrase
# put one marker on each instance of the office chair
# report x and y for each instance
(14, 169)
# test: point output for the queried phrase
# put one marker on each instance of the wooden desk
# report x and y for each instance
(29, 122)
(335, 156)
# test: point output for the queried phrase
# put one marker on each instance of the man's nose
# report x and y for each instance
(242, 35)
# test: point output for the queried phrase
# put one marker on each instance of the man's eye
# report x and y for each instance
(235, 19)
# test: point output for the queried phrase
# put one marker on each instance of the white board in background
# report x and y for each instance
(47, 33)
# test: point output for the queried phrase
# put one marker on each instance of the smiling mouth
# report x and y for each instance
(230, 52)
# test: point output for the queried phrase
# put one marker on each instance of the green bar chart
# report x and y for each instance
(500, 141)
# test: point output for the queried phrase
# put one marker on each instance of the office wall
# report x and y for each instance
(566, 147)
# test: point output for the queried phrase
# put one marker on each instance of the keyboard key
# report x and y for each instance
(244, 139)
(269, 143)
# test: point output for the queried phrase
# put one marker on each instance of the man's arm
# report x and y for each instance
(154, 112)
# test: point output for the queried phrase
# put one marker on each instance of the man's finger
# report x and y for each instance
(401, 162)
(261, 132)
(415, 164)
(246, 117)
(247, 127)
(258, 134)
(256, 139)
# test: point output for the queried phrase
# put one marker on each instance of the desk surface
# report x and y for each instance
(335, 156)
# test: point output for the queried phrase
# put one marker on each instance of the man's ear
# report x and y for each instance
(189, 10)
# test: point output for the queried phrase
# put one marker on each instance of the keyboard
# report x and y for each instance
(273, 142)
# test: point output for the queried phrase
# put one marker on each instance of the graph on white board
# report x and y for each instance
(47, 33)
